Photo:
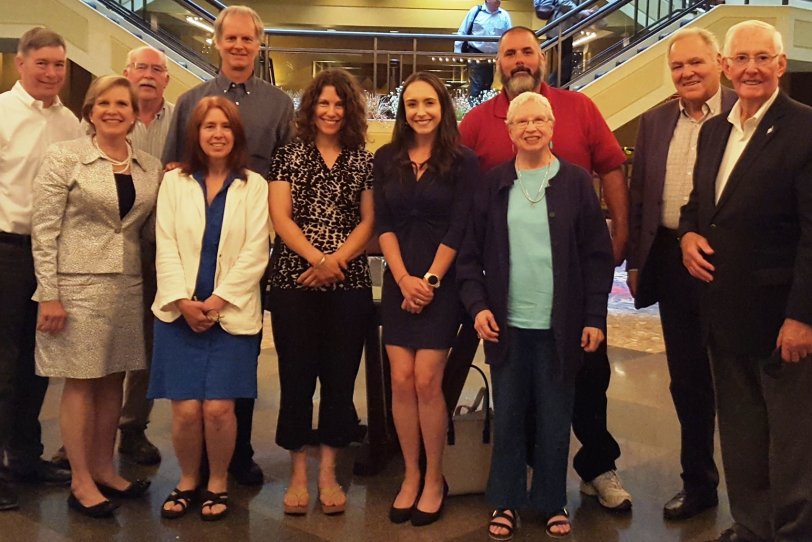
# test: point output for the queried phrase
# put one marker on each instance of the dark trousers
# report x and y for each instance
(480, 78)
(319, 336)
(530, 377)
(136, 408)
(599, 449)
(688, 364)
(21, 390)
(764, 428)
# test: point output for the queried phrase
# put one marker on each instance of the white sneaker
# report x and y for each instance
(609, 491)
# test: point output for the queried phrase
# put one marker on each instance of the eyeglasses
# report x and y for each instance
(154, 68)
(742, 60)
(525, 124)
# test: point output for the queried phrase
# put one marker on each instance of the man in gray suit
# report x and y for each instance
(747, 235)
(662, 178)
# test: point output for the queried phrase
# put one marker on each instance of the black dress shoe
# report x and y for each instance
(42, 472)
(8, 497)
(248, 475)
(685, 505)
(133, 491)
(136, 446)
(102, 510)
(421, 518)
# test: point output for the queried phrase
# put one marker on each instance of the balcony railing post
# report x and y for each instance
(375, 64)
(414, 55)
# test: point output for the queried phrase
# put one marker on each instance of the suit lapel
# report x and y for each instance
(764, 134)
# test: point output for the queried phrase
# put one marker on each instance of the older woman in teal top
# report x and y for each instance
(534, 271)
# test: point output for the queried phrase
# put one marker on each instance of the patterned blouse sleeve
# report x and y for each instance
(463, 199)
(281, 167)
(368, 182)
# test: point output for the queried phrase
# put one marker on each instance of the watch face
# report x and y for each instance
(433, 280)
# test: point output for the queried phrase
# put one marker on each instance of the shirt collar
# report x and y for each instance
(710, 108)
(735, 116)
(162, 111)
(223, 83)
(485, 9)
(32, 102)
(200, 177)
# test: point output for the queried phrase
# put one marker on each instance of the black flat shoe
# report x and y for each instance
(421, 518)
(133, 491)
(102, 510)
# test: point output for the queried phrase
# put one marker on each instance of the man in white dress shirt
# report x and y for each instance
(33, 118)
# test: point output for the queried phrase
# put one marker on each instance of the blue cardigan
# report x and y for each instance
(582, 259)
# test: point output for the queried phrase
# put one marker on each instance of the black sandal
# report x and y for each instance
(511, 526)
(558, 523)
(211, 499)
(182, 498)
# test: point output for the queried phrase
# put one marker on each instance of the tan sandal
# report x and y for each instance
(296, 501)
(334, 495)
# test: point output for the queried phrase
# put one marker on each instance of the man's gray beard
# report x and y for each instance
(516, 85)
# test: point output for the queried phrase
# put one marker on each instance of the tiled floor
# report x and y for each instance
(641, 418)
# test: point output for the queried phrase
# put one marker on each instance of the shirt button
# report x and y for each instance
(117, 230)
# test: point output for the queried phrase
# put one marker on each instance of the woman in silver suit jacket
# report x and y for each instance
(92, 200)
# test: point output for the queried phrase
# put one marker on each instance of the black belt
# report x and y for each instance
(15, 239)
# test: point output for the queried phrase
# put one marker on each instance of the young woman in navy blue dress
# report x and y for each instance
(423, 185)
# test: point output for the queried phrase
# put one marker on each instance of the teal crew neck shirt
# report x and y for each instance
(530, 287)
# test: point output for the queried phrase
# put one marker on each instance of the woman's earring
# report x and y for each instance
(551, 144)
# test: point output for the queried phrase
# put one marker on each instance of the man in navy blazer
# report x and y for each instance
(747, 234)
(662, 178)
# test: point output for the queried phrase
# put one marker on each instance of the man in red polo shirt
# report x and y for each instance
(582, 137)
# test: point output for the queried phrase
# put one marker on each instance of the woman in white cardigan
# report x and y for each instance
(212, 249)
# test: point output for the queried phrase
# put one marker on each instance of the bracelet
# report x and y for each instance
(321, 262)
(403, 276)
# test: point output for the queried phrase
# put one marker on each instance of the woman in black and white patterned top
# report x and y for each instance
(321, 295)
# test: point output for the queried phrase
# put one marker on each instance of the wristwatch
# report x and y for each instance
(432, 280)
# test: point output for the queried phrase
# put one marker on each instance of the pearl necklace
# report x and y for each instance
(540, 194)
(121, 165)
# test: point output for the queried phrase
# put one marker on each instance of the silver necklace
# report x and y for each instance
(123, 165)
(540, 194)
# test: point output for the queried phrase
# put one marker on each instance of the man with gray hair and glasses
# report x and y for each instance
(147, 71)
(746, 234)
(33, 119)
(267, 116)
(662, 178)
